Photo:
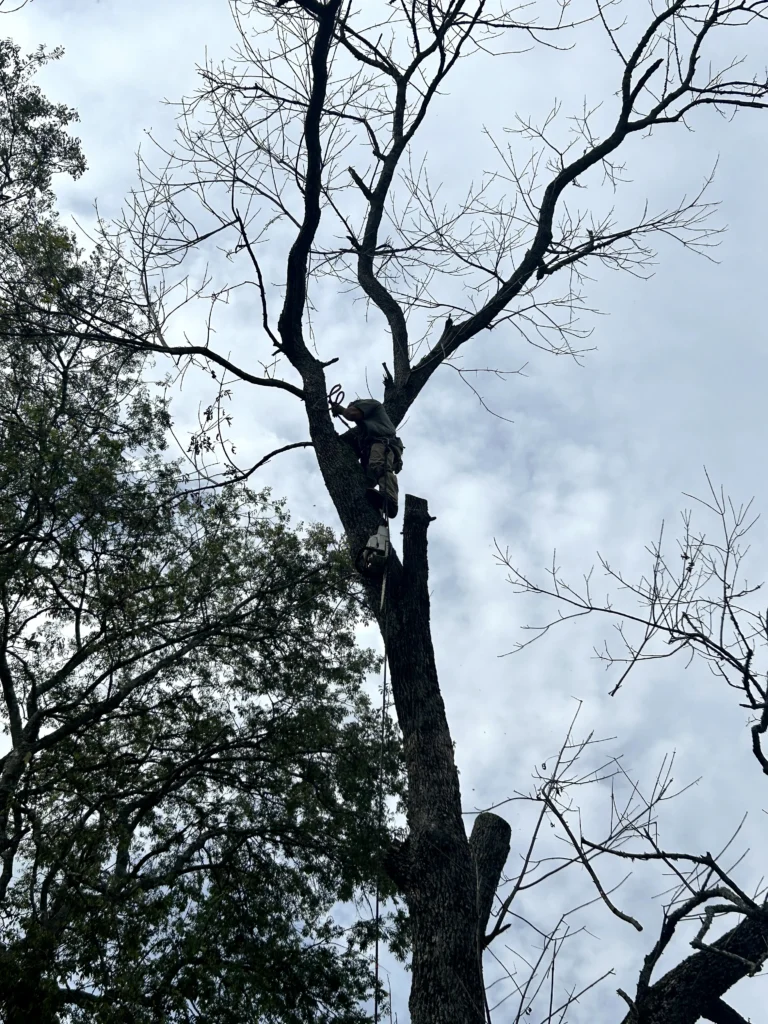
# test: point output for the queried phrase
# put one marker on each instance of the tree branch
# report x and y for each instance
(489, 843)
(290, 322)
(721, 1013)
(686, 992)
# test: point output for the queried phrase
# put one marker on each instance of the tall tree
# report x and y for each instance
(187, 790)
(34, 141)
(301, 158)
(188, 787)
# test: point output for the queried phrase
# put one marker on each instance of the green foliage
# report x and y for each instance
(34, 143)
(188, 786)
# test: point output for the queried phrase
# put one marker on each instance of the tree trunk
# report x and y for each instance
(448, 885)
(694, 989)
(28, 995)
(437, 873)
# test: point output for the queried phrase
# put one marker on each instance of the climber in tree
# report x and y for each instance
(377, 446)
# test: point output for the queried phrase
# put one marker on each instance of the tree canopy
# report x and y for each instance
(300, 161)
(187, 793)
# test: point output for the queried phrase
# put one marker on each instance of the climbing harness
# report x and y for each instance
(374, 557)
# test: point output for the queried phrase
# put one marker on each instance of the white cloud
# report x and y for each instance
(595, 457)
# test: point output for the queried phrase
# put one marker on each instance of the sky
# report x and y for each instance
(591, 457)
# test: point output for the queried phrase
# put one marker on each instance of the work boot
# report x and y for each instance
(391, 508)
(374, 498)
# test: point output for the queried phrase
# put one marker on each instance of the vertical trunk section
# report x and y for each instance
(28, 995)
(435, 867)
(448, 883)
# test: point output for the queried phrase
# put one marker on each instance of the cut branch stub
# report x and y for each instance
(489, 843)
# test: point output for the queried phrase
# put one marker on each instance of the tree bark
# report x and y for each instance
(448, 882)
(439, 880)
(721, 1013)
(437, 868)
(489, 844)
(448, 885)
(694, 989)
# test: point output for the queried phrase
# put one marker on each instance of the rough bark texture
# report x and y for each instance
(489, 844)
(694, 988)
(437, 869)
(440, 885)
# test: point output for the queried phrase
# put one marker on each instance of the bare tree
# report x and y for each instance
(300, 159)
(696, 601)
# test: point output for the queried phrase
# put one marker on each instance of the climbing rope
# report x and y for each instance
(336, 397)
(383, 605)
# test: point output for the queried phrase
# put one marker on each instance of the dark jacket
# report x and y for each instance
(376, 424)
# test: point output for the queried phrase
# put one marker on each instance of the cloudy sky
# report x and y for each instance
(596, 455)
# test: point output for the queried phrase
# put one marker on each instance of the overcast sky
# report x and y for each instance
(596, 455)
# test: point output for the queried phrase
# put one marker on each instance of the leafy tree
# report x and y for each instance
(187, 790)
(34, 142)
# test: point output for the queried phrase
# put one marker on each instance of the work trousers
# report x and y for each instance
(379, 470)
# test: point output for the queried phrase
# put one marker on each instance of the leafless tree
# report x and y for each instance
(694, 601)
(301, 160)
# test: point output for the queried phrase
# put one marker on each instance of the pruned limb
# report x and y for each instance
(489, 843)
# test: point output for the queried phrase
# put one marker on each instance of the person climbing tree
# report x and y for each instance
(378, 447)
(314, 125)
